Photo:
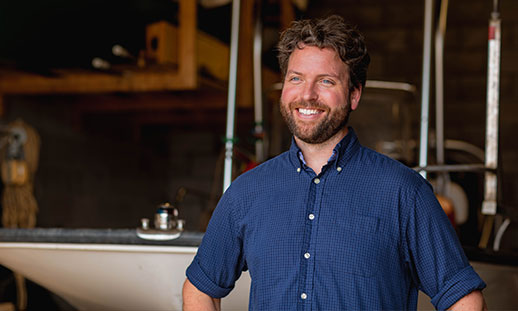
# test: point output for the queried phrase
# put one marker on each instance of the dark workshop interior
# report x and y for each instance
(125, 106)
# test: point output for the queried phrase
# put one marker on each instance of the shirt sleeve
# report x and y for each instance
(219, 260)
(435, 256)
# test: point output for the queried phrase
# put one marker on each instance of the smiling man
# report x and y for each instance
(316, 101)
(330, 224)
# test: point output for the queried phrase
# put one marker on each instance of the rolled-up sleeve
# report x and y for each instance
(435, 255)
(219, 260)
(458, 286)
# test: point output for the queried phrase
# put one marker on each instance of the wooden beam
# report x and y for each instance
(91, 82)
(187, 42)
(125, 80)
(213, 56)
(245, 84)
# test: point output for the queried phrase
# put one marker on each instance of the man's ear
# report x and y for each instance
(355, 97)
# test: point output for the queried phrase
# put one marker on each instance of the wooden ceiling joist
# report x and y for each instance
(74, 81)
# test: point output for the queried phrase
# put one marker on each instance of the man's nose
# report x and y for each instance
(310, 92)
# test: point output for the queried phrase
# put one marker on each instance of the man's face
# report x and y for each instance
(315, 100)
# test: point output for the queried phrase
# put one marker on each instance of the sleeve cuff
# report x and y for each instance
(461, 284)
(201, 281)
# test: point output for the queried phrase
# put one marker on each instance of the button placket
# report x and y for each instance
(317, 185)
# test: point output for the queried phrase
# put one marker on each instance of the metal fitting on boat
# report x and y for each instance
(167, 224)
(166, 216)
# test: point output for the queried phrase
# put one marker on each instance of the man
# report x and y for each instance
(330, 225)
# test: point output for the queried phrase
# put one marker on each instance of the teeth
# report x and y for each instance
(308, 111)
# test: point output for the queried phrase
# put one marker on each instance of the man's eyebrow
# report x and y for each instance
(333, 75)
(294, 72)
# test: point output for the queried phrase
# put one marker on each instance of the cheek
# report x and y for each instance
(333, 99)
(284, 102)
(289, 94)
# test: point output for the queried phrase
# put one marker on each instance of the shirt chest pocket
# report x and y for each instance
(353, 246)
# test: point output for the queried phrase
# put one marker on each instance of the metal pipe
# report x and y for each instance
(499, 233)
(489, 205)
(389, 85)
(258, 90)
(473, 150)
(439, 92)
(452, 168)
(425, 92)
(231, 107)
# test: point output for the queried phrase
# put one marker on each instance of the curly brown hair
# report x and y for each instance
(331, 32)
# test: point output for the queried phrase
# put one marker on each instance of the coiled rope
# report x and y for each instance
(19, 207)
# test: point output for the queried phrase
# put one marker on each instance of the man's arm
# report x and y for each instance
(196, 300)
(472, 301)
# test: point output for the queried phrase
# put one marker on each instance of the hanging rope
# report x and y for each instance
(19, 162)
(19, 207)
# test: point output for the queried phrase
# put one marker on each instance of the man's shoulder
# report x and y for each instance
(260, 182)
(268, 168)
(264, 173)
(386, 168)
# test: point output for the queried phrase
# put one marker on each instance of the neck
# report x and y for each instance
(317, 155)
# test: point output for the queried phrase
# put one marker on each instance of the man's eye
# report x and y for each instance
(328, 82)
(295, 79)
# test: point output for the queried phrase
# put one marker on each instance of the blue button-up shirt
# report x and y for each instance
(365, 234)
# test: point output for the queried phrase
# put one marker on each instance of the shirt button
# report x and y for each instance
(298, 169)
(311, 216)
(339, 169)
(303, 296)
(307, 255)
(316, 181)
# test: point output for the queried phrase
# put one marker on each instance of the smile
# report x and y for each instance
(308, 112)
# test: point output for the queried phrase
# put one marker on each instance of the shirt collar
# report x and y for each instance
(342, 152)
(301, 157)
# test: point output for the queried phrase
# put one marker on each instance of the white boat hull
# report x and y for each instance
(112, 277)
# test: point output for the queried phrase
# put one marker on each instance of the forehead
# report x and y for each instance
(311, 59)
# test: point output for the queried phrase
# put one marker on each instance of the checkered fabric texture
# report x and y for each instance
(365, 234)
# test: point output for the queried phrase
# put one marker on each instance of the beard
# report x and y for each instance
(324, 129)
